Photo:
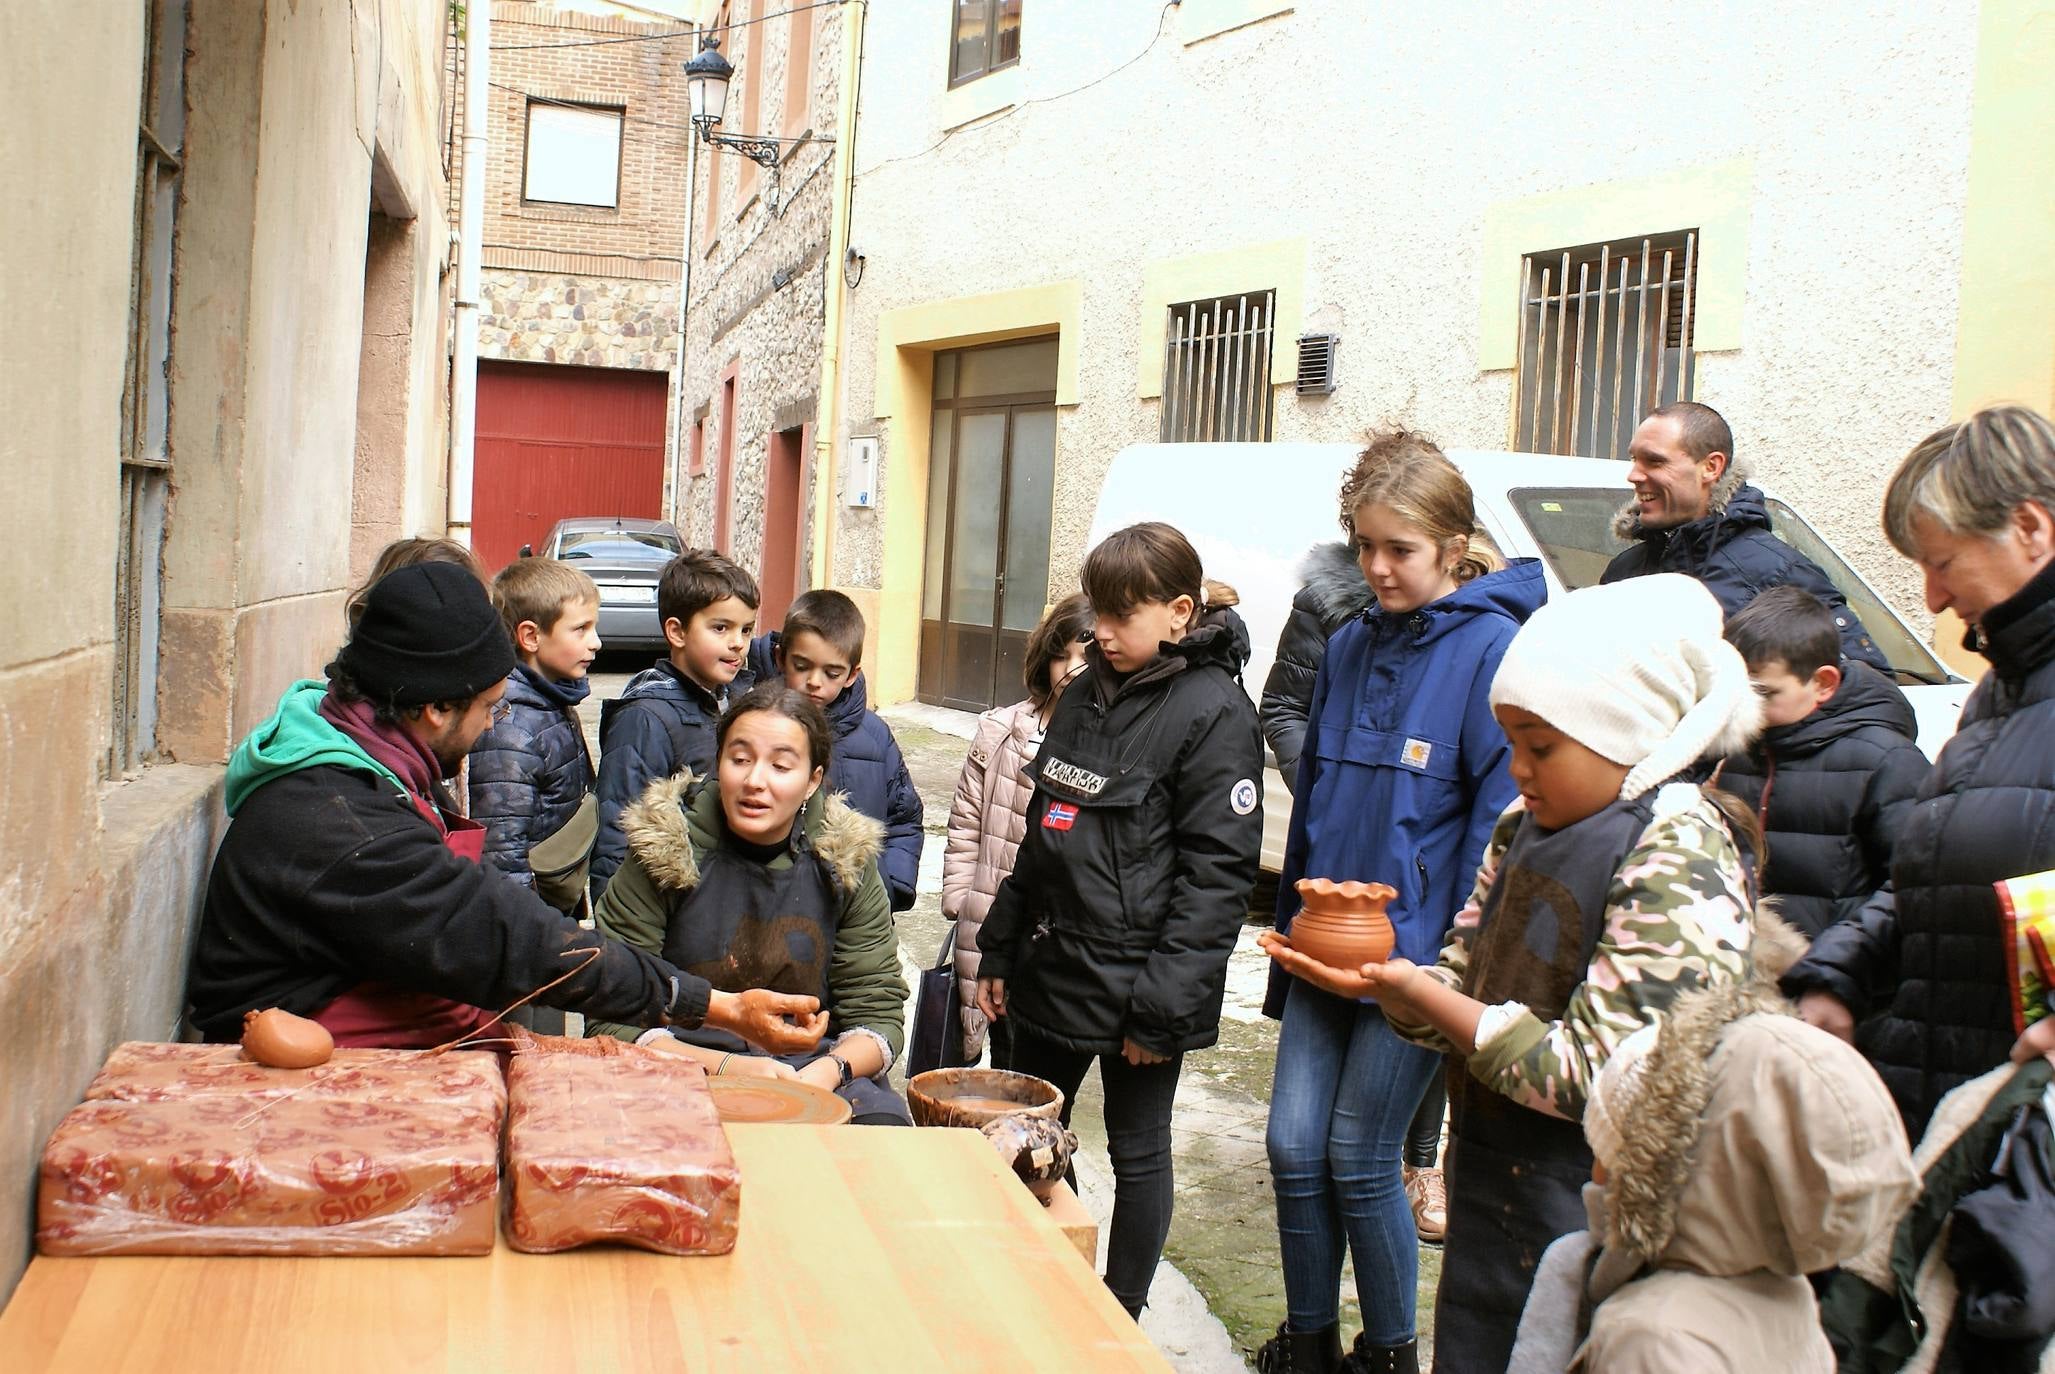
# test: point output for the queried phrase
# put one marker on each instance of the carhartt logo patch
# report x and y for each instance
(1072, 778)
(1059, 816)
(1242, 797)
(1416, 753)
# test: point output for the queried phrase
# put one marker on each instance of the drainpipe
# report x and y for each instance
(677, 474)
(470, 243)
(828, 425)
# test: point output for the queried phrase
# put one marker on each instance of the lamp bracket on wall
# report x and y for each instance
(706, 84)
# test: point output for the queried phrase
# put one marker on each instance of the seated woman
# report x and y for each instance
(758, 880)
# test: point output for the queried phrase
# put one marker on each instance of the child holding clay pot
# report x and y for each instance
(1612, 887)
(1401, 777)
(1109, 940)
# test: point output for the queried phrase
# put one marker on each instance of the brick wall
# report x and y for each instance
(533, 56)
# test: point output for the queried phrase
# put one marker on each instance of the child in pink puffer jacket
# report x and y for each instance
(989, 815)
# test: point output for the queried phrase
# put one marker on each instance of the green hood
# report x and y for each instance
(296, 737)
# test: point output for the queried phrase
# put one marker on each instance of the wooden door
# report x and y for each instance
(562, 441)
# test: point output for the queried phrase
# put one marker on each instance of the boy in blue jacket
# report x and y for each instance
(530, 772)
(663, 721)
(820, 653)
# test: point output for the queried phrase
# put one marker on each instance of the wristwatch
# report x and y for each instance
(842, 1065)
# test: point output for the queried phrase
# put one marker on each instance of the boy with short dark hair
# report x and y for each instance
(663, 722)
(820, 652)
(1837, 769)
(530, 772)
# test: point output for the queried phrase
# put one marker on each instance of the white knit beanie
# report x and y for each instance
(1637, 673)
(1611, 1099)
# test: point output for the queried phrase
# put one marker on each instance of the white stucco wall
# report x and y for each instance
(1382, 135)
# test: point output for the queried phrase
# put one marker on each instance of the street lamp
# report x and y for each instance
(706, 85)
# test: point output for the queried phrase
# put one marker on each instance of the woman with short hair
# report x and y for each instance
(1918, 977)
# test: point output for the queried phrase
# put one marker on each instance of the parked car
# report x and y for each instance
(625, 557)
(1532, 505)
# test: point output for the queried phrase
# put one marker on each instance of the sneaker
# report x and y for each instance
(1427, 1191)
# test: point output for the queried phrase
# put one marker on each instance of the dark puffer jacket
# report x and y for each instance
(1930, 956)
(1143, 840)
(867, 768)
(1734, 554)
(1334, 593)
(530, 771)
(661, 725)
(1833, 791)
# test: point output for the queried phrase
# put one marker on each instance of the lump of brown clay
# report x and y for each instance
(285, 1041)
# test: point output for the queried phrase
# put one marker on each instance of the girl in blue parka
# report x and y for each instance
(1401, 778)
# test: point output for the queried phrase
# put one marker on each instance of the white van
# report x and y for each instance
(1254, 510)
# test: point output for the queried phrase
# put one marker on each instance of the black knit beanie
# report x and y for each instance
(429, 633)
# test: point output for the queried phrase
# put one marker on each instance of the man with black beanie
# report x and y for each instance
(348, 889)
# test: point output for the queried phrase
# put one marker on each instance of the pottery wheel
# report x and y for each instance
(777, 1101)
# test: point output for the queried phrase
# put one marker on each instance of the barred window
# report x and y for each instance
(1605, 337)
(1216, 369)
(145, 397)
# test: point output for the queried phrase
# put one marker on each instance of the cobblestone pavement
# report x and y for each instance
(1220, 1292)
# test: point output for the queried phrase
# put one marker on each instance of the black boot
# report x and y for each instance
(1382, 1359)
(1301, 1352)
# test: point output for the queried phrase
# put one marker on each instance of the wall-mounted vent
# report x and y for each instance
(1316, 363)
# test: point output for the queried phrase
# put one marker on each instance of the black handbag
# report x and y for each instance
(937, 1038)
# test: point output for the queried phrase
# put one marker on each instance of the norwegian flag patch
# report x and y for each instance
(1059, 816)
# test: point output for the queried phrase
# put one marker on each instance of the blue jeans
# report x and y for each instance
(1344, 1095)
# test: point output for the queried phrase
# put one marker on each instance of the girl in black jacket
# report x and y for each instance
(1110, 939)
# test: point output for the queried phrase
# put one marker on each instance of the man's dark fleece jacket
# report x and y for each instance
(331, 876)
(1734, 554)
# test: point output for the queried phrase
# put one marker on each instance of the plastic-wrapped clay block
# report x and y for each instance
(608, 1142)
(192, 1150)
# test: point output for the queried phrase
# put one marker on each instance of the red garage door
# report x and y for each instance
(562, 441)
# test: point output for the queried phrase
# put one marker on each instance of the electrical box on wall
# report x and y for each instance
(860, 472)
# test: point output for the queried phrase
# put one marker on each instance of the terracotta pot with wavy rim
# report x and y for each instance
(1343, 925)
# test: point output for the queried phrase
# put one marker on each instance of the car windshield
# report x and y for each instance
(634, 546)
(1573, 526)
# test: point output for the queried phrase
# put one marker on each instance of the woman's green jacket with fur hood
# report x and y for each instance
(670, 833)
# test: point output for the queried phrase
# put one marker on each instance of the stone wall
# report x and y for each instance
(303, 124)
(540, 317)
(758, 289)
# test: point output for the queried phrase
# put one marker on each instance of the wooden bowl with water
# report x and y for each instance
(971, 1097)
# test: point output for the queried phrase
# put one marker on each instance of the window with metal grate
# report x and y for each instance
(1216, 370)
(146, 398)
(1605, 337)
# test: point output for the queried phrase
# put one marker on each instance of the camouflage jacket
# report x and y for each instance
(1677, 917)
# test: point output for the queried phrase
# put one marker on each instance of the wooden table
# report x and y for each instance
(862, 1248)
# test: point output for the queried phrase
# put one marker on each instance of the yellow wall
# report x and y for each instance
(2005, 334)
(1712, 199)
(908, 339)
(1279, 267)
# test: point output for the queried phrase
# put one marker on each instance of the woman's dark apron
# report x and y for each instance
(748, 925)
(1516, 1175)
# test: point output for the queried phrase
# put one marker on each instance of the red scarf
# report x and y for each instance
(378, 1015)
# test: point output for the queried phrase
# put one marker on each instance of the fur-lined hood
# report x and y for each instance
(676, 821)
(1751, 1141)
(1627, 523)
(1332, 587)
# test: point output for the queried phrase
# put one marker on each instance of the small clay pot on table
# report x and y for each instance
(1343, 925)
